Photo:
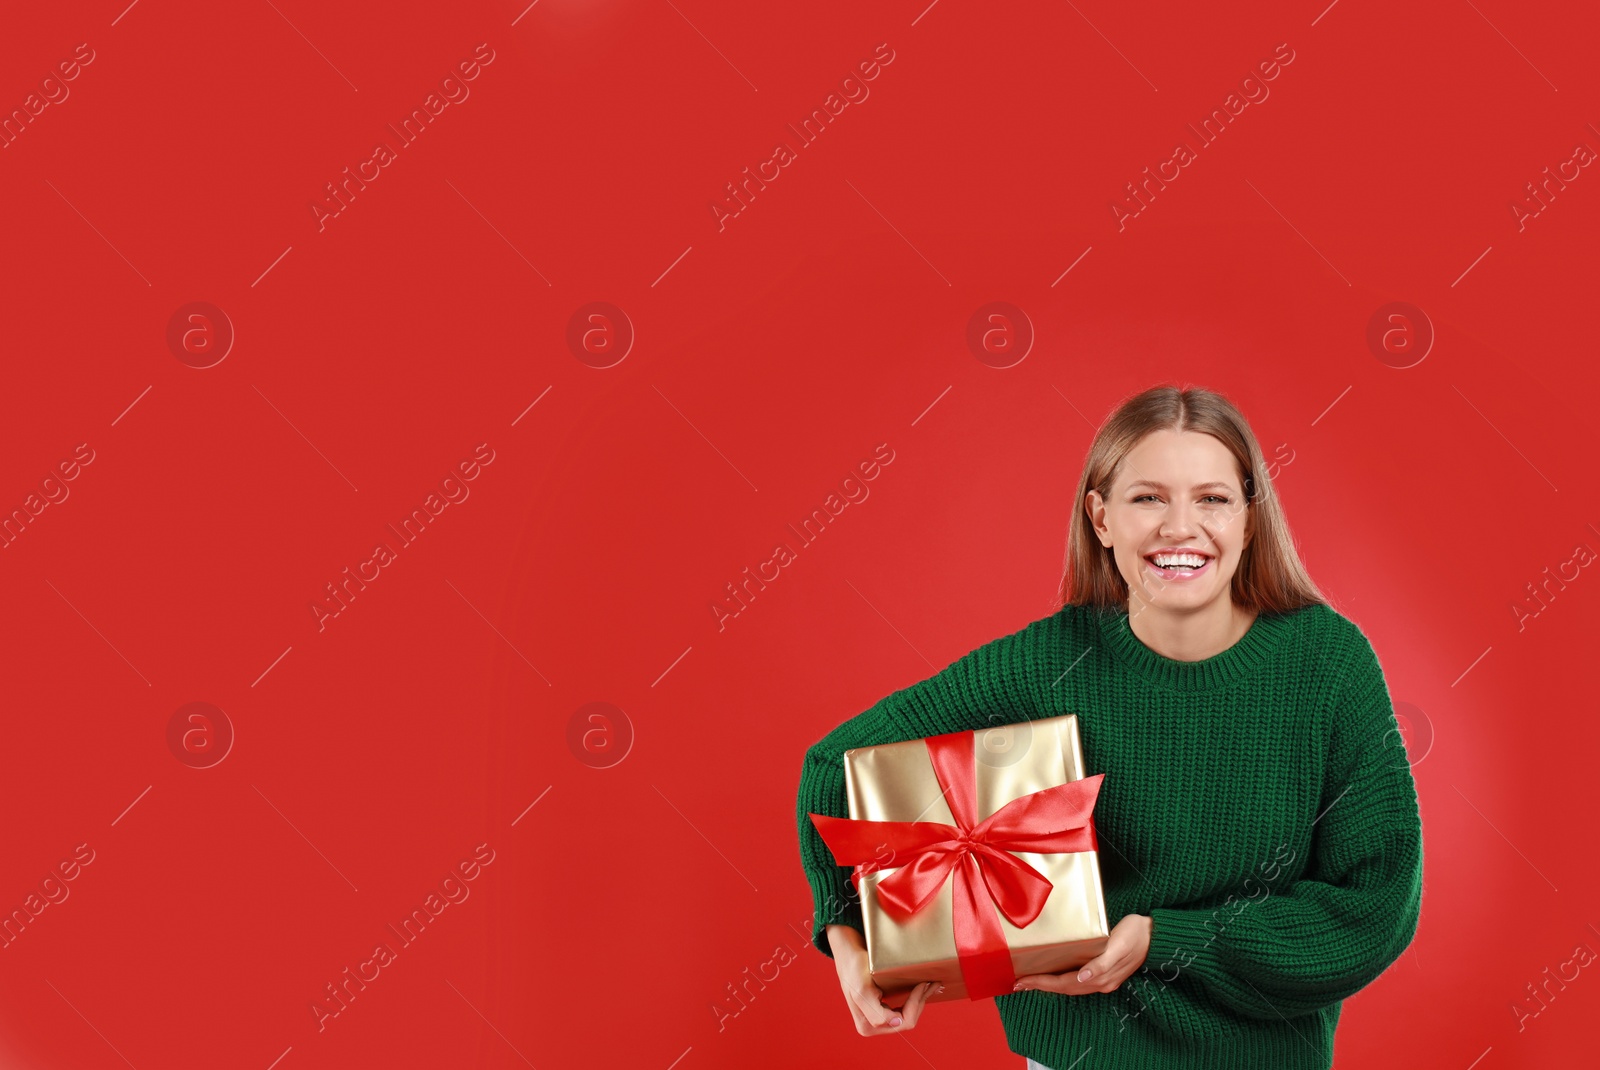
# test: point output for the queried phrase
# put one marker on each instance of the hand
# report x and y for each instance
(1126, 950)
(865, 998)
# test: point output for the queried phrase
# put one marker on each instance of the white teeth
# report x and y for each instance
(1169, 560)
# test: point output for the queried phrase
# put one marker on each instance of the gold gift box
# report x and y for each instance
(896, 782)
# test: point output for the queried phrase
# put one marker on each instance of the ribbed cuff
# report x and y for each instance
(834, 903)
(1178, 939)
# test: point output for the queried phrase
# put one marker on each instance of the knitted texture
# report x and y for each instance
(1257, 805)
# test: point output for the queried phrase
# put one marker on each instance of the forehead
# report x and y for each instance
(1170, 460)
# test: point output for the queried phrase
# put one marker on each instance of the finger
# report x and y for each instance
(913, 1008)
(869, 999)
(1105, 963)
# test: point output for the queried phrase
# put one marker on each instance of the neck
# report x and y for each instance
(1189, 635)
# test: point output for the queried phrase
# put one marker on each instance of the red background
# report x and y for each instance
(771, 355)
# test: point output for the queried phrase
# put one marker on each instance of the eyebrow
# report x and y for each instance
(1162, 486)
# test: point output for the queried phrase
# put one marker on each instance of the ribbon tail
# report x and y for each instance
(984, 957)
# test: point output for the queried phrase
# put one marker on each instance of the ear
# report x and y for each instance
(1094, 508)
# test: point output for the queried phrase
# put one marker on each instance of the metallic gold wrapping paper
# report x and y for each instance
(896, 782)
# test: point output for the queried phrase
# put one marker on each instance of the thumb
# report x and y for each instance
(1095, 967)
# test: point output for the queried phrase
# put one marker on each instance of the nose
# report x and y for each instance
(1178, 522)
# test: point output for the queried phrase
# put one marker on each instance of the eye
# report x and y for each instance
(1219, 498)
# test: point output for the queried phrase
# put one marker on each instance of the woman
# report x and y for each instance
(1260, 838)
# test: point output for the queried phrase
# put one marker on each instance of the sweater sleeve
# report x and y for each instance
(983, 687)
(1346, 919)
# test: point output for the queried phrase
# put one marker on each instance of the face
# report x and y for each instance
(1177, 491)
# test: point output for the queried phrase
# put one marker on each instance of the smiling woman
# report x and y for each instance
(1229, 708)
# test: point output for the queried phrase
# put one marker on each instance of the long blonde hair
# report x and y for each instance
(1270, 576)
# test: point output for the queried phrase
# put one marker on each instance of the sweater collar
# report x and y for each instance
(1238, 661)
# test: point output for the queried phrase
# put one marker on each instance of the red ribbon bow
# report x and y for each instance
(1055, 819)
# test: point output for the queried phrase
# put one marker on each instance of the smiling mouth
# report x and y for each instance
(1180, 566)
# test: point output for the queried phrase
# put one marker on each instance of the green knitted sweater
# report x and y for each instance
(1257, 805)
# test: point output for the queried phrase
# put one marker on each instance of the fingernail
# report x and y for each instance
(895, 1020)
(1084, 975)
(940, 988)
